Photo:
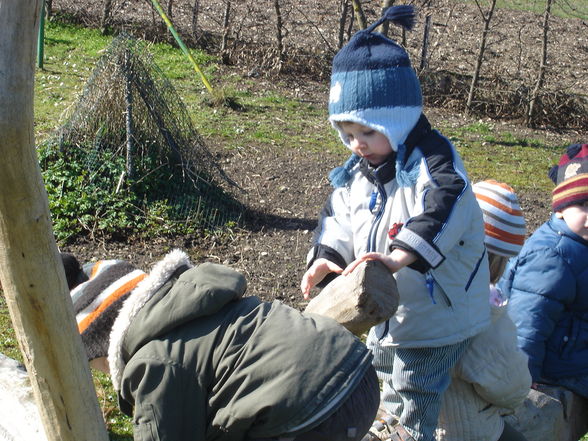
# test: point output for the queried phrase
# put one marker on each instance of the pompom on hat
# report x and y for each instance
(504, 223)
(374, 84)
(570, 177)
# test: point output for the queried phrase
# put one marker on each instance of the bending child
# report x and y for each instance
(191, 359)
(492, 378)
(548, 283)
(404, 198)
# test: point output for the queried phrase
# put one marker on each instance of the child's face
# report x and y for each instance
(576, 217)
(367, 142)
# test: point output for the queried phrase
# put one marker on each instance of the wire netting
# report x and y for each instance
(131, 130)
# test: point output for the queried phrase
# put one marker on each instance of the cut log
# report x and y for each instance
(551, 414)
(364, 298)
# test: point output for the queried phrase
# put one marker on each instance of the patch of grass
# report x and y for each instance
(8, 342)
(119, 426)
(70, 56)
(489, 154)
(266, 118)
(567, 9)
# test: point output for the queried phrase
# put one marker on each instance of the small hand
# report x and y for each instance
(317, 272)
(396, 260)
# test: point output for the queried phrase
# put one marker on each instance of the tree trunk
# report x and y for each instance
(195, 13)
(170, 15)
(106, 10)
(480, 59)
(386, 25)
(542, 67)
(344, 5)
(425, 48)
(226, 29)
(31, 272)
(279, 38)
(361, 21)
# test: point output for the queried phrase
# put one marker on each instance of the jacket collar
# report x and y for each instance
(421, 129)
(561, 227)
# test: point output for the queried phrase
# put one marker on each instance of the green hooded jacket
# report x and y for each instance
(192, 359)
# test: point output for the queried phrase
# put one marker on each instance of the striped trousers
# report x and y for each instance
(413, 381)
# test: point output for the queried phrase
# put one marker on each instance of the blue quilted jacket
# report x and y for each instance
(548, 288)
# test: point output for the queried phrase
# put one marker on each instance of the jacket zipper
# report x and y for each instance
(372, 237)
(476, 268)
(430, 281)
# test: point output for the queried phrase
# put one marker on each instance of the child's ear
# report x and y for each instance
(559, 214)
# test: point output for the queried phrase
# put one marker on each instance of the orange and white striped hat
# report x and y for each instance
(504, 223)
(98, 301)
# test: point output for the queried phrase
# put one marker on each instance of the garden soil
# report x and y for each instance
(284, 190)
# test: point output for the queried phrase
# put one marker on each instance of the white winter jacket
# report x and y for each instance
(424, 205)
(491, 380)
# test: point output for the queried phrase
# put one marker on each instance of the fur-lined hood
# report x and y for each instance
(145, 290)
(175, 292)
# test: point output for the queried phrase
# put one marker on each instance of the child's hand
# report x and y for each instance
(398, 259)
(317, 272)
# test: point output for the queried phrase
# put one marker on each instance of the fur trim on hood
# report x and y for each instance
(160, 273)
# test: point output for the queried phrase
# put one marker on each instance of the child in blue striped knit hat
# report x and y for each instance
(403, 198)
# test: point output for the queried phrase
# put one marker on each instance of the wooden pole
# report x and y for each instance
(31, 272)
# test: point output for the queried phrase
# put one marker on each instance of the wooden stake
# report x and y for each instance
(31, 272)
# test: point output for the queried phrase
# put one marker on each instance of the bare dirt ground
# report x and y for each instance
(287, 188)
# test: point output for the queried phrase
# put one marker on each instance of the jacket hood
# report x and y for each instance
(162, 302)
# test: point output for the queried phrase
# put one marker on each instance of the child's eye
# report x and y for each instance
(369, 132)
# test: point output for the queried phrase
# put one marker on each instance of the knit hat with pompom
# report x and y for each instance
(374, 84)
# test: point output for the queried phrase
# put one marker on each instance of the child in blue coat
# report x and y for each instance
(548, 282)
(403, 198)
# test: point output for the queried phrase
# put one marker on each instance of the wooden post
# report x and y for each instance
(31, 272)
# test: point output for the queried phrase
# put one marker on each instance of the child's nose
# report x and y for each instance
(360, 144)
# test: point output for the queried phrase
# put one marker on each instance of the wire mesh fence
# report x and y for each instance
(130, 133)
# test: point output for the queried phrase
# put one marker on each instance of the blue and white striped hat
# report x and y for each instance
(374, 84)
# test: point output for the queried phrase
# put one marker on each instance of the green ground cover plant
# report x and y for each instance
(264, 117)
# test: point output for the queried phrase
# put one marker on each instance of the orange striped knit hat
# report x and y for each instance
(504, 223)
(98, 301)
(571, 178)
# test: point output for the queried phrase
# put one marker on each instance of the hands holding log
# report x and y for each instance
(364, 295)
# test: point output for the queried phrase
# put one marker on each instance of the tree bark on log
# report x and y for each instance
(364, 298)
(31, 272)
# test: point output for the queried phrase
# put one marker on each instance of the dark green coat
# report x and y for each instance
(198, 362)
